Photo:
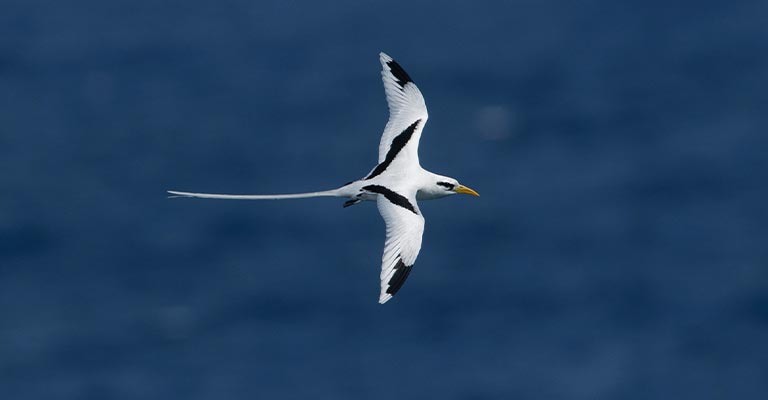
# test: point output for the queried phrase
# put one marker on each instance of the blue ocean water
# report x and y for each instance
(618, 250)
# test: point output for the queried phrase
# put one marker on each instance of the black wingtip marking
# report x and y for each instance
(398, 278)
(397, 144)
(393, 197)
(399, 73)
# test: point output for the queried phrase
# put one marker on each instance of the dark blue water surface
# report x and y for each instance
(619, 249)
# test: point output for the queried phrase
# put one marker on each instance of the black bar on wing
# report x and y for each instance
(393, 197)
(397, 144)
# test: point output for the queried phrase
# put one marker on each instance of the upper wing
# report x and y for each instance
(405, 225)
(407, 114)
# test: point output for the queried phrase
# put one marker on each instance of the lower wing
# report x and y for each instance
(405, 226)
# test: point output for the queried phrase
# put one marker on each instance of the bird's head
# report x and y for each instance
(446, 186)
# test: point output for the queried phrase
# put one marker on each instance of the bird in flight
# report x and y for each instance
(395, 183)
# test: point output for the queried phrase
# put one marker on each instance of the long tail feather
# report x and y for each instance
(327, 193)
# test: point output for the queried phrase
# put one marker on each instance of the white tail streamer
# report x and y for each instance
(326, 193)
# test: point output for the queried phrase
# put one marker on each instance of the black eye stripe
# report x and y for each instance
(447, 185)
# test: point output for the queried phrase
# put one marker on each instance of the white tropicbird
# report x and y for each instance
(395, 183)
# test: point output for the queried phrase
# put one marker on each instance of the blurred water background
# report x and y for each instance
(618, 251)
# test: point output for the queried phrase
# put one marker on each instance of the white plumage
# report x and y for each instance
(396, 182)
(406, 105)
(403, 242)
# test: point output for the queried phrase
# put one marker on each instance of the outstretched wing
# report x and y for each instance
(405, 225)
(407, 116)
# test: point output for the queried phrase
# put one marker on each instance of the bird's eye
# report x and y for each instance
(447, 185)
